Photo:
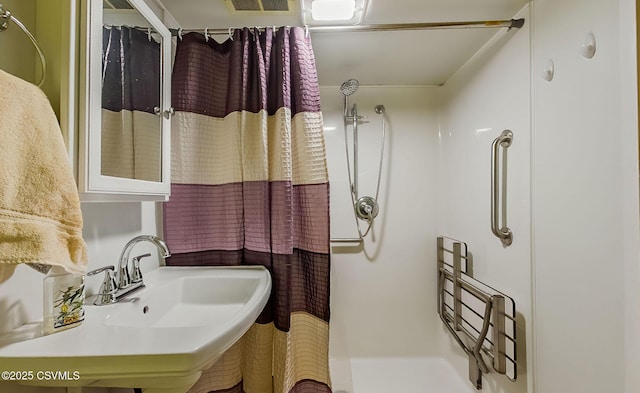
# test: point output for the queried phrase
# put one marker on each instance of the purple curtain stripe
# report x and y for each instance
(251, 74)
(260, 216)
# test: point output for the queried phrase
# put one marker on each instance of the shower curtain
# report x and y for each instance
(131, 134)
(250, 187)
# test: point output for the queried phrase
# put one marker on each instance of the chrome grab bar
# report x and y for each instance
(502, 232)
(346, 240)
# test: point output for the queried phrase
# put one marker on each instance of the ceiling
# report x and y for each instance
(422, 58)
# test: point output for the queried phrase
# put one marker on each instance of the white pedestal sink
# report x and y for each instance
(159, 339)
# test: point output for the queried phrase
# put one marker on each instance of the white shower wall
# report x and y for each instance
(489, 94)
(585, 198)
(382, 296)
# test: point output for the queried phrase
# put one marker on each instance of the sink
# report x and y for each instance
(159, 338)
(190, 301)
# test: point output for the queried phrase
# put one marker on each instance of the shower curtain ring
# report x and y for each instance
(231, 33)
(206, 34)
(306, 31)
(149, 33)
(180, 34)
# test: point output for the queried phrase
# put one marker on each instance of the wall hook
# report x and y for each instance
(549, 71)
(588, 47)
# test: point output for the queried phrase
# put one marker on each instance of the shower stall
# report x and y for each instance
(562, 266)
(436, 175)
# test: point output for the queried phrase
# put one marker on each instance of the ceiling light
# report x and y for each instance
(332, 9)
(331, 12)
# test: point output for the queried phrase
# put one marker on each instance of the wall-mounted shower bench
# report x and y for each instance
(481, 319)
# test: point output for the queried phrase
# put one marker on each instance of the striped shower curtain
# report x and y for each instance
(250, 187)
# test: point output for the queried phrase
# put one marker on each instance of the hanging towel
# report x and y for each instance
(40, 217)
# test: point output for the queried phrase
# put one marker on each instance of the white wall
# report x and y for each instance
(382, 297)
(585, 198)
(489, 94)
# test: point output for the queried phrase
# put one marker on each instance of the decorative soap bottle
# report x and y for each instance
(63, 300)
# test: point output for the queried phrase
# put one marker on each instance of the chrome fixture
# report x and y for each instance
(123, 274)
(126, 280)
(108, 288)
(483, 24)
(501, 230)
(365, 207)
(5, 18)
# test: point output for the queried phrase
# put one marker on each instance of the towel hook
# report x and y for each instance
(6, 16)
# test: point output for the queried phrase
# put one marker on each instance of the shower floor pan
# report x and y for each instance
(406, 375)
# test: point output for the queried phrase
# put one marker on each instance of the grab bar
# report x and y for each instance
(502, 232)
(346, 240)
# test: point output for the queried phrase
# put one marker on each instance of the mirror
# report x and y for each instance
(131, 128)
(124, 135)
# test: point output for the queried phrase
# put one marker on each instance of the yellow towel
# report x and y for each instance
(40, 217)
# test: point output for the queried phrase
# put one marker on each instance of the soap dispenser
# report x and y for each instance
(63, 300)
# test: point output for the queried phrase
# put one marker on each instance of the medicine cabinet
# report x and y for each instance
(124, 127)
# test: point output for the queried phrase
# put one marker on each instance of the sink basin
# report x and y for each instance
(190, 301)
(159, 338)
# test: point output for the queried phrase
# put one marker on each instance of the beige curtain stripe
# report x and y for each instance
(130, 143)
(303, 351)
(224, 374)
(200, 143)
(258, 353)
(299, 354)
(309, 151)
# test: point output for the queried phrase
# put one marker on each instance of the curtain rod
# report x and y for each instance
(511, 23)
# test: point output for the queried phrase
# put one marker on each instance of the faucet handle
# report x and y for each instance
(136, 273)
(109, 286)
(100, 270)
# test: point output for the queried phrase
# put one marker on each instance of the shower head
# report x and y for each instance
(349, 87)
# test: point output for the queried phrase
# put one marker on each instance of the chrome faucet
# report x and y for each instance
(126, 280)
(125, 283)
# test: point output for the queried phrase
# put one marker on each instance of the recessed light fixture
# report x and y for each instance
(333, 9)
(328, 12)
